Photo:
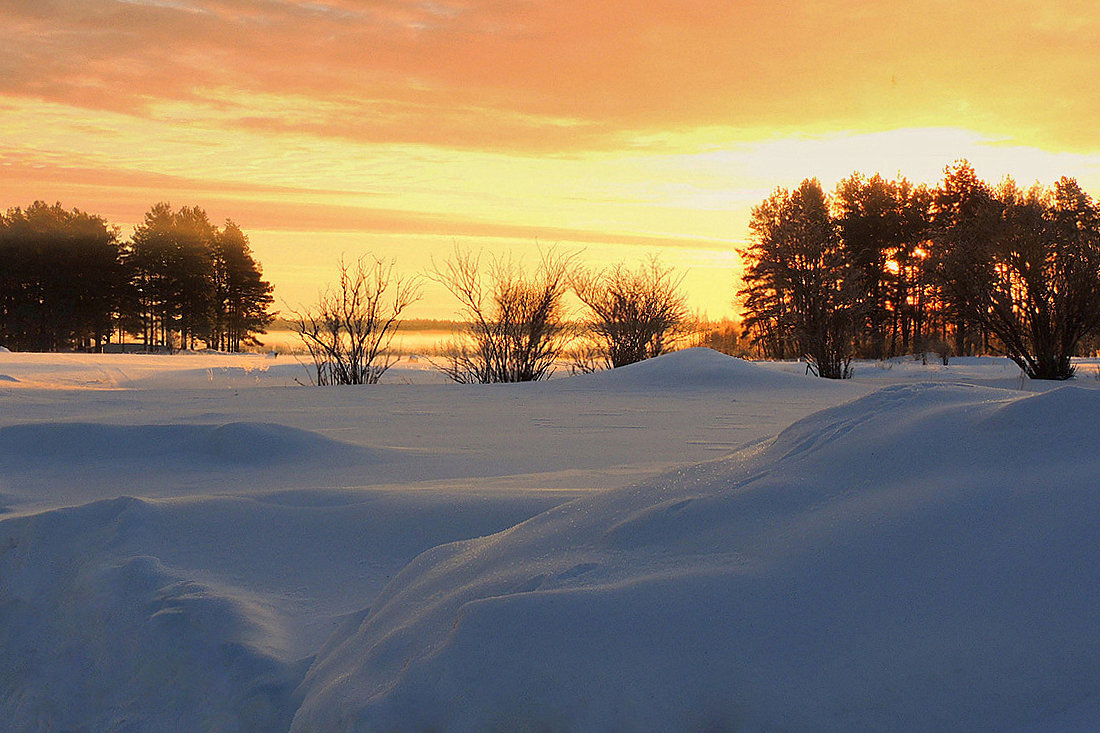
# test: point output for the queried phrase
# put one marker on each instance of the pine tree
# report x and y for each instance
(62, 280)
(242, 297)
(171, 258)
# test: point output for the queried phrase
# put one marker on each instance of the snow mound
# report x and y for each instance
(91, 639)
(912, 560)
(240, 443)
(697, 368)
(1052, 415)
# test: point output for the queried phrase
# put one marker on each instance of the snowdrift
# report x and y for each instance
(699, 368)
(51, 464)
(100, 641)
(218, 376)
(924, 558)
(201, 614)
(240, 442)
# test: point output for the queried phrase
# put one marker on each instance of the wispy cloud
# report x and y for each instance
(565, 75)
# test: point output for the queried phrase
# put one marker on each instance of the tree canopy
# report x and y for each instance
(69, 282)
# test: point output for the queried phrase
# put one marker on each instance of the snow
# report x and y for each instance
(197, 543)
(700, 368)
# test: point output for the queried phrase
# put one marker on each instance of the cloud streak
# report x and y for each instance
(565, 75)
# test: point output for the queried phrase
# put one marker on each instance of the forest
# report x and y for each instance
(887, 267)
(69, 282)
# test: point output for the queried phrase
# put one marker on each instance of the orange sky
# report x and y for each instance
(619, 128)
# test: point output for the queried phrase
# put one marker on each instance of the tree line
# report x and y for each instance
(885, 267)
(876, 269)
(68, 281)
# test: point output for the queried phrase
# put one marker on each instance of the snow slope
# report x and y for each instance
(197, 543)
(921, 559)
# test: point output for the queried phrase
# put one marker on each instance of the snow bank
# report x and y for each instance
(219, 376)
(698, 368)
(920, 559)
(239, 442)
(93, 640)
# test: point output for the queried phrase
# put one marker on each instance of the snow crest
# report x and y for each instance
(698, 368)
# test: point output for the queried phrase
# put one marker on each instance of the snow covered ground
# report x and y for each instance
(197, 543)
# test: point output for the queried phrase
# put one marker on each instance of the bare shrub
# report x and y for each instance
(633, 314)
(515, 322)
(347, 333)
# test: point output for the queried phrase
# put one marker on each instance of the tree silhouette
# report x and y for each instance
(193, 282)
(882, 225)
(349, 330)
(241, 297)
(1025, 265)
(515, 321)
(966, 218)
(61, 278)
(801, 289)
(886, 263)
(67, 282)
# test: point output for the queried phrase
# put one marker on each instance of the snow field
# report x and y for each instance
(631, 550)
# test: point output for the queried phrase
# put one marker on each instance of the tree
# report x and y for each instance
(241, 297)
(800, 287)
(66, 281)
(633, 314)
(170, 256)
(61, 278)
(192, 279)
(515, 323)
(1023, 265)
(350, 329)
(965, 219)
(193, 282)
(765, 294)
(882, 226)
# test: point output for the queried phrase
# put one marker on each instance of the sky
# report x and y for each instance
(615, 130)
